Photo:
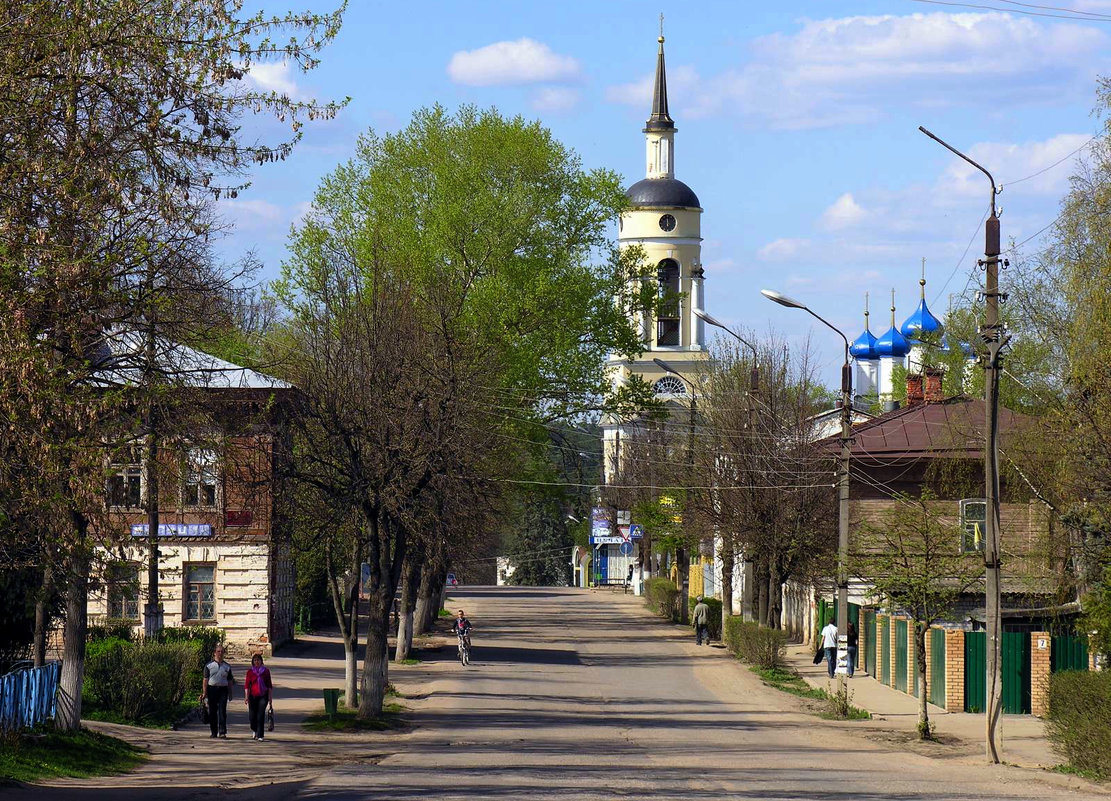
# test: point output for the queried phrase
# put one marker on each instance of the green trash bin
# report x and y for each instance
(331, 702)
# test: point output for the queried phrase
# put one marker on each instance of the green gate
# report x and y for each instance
(1016, 672)
(937, 667)
(885, 651)
(870, 642)
(1069, 653)
(901, 655)
(975, 671)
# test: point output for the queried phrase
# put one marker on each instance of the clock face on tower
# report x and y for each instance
(667, 222)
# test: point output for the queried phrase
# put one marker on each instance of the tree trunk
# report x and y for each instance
(42, 616)
(345, 603)
(410, 579)
(923, 694)
(762, 592)
(727, 564)
(684, 562)
(376, 664)
(68, 715)
(424, 616)
(775, 598)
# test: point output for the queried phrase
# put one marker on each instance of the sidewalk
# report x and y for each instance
(1022, 736)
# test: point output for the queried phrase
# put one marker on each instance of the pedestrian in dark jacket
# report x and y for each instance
(701, 621)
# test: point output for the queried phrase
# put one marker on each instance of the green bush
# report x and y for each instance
(752, 643)
(140, 682)
(662, 597)
(111, 629)
(1079, 723)
(714, 620)
(208, 637)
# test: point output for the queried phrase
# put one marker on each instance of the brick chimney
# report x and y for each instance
(933, 392)
(915, 393)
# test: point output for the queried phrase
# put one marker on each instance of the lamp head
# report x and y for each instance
(706, 317)
(667, 368)
(782, 299)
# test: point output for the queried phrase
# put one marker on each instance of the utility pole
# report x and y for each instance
(991, 332)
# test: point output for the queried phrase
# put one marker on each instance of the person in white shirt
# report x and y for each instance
(215, 686)
(829, 643)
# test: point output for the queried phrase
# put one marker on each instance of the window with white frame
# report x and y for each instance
(122, 580)
(200, 592)
(200, 477)
(125, 479)
(973, 520)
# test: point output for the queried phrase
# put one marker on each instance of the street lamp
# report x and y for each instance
(991, 332)
(684, 563)
(843, 481)
(727, 555)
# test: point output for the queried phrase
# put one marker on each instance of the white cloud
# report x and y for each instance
(1050, 162)
(855, 69)
(556, 99)
(844, 213)
(274, 77)
(258, 215)
(524, 61)
(781, 249)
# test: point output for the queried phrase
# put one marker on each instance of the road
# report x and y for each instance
(572, 694)
(579, 695)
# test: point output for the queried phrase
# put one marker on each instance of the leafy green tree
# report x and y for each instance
(450, 295)
(911, 558)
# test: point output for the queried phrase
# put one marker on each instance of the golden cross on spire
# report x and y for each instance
(661, 26)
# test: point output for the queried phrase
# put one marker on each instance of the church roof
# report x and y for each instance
(660, 120)
(662, 193)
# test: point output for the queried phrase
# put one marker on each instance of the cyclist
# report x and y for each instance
(462, 626)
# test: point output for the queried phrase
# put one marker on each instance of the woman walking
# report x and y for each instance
(257, 691)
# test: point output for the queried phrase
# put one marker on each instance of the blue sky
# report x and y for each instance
(797, 128)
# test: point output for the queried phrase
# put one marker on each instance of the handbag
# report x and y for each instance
(270, 719)
(819, 655)
(204, 711)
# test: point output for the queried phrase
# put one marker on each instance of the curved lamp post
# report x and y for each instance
(843, 479)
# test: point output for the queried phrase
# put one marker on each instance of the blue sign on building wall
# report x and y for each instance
(173, 530)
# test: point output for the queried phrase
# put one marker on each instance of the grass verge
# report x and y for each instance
(163, 719)
(345, 720)
(1071, 770)
(46, 754)
(790, 682)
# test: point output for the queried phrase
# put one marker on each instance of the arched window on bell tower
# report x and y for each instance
(669, 317)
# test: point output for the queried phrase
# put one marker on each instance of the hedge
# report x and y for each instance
(662, 597)
(1079, 722)
(752, 643)
(140, 682)
(714, 616)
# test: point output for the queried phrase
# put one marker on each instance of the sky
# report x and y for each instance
(797, 128)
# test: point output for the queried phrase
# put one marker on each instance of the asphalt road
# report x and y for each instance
(579, 695)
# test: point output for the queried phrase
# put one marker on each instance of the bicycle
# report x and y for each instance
(464, 648)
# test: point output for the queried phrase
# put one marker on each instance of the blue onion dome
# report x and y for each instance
(922, 321)
(968, 352)
(864, 346)
(892, 343)
(943, 346)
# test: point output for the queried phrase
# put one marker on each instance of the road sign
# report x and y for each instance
(636, 531)
(608, 540)
(626, 549)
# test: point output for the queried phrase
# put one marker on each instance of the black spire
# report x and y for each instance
(660, 119)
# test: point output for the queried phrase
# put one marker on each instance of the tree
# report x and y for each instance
(120, 128)
(444, 307)
(911, 557)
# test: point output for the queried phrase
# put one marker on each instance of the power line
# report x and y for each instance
(1074, 15)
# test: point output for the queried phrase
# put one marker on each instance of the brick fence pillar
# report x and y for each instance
(929, 663)
(912, 663)
(1040, 649)
(954, 670)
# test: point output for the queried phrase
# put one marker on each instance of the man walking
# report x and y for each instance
(701, 621)
(829, 643)
(215, 687)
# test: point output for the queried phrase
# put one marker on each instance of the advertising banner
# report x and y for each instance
(600, 524)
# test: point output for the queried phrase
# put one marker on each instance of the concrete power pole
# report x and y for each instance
(991, 332)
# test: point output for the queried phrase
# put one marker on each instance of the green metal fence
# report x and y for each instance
(1016, 672)
(885, 651)
(901, 655)
(975, 671)
(1069, 653)
(870, 642)
(937, 667)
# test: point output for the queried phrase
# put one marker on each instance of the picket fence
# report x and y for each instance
(27, 696)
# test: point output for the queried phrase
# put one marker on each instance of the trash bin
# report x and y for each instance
(331, 702)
